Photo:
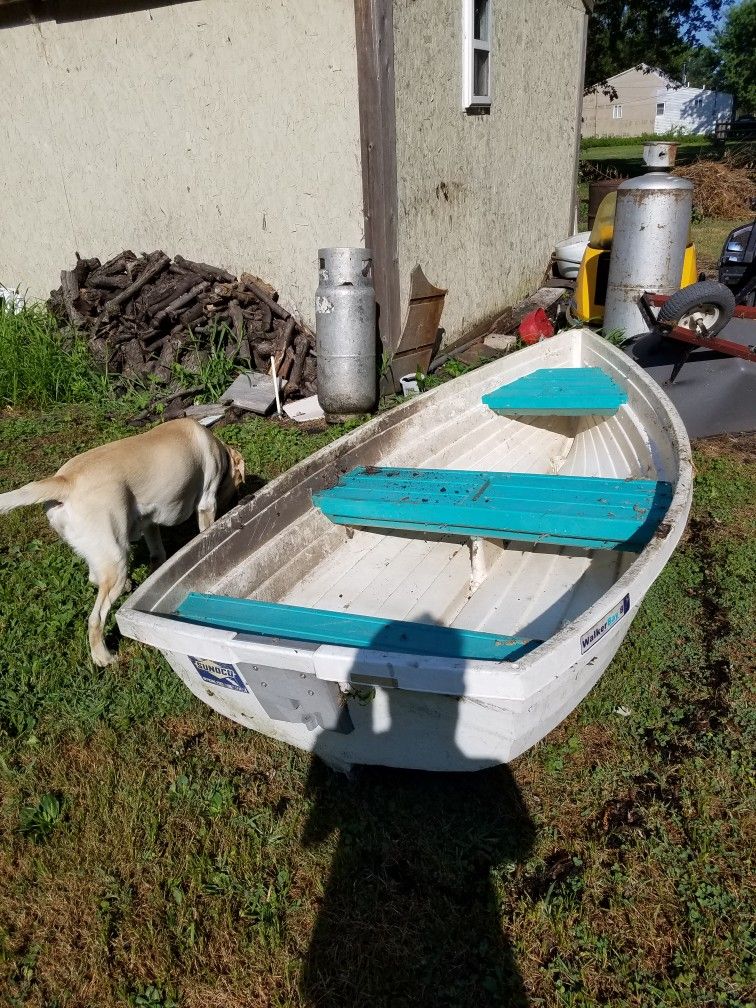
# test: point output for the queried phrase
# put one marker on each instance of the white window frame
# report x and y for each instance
(698, 102)
(471, 46)
(616, 111)
(660, 105)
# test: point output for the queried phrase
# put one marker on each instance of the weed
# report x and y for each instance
(152, 996)
(40, 365)
(38, 821)
(214, 369)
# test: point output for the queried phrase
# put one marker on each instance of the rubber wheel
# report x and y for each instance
(705, 303)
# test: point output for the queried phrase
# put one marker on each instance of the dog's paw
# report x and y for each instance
(102, 657)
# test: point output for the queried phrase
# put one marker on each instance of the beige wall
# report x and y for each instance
(636, 94)
(223, 130)
(483, 198)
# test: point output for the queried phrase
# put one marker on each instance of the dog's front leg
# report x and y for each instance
(154, 542)
(206, 508)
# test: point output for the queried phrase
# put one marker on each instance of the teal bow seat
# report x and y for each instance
(300, 623)
(559, 392)
(583, 511)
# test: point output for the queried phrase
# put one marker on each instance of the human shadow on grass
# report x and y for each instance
(409, 913)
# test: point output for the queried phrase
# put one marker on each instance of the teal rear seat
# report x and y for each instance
(583, 511)
(300, 623)
(559, 392)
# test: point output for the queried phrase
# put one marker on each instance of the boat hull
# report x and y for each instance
(367, 706)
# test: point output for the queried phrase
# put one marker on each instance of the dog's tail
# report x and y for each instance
(55, 488)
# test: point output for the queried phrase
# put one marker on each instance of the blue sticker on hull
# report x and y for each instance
(219, 674)
(600, 629)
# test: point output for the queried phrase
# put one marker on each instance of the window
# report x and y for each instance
(698, 103)
(477, 56)
(660, 108)
(616, 111)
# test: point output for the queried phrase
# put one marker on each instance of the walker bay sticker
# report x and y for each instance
(219, 674)
(598, 630)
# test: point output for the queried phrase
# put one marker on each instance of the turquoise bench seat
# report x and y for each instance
(300, 623)
(559, 392)
(584, 511)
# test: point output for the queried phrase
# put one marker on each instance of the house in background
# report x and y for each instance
(249, 135)
(650, 102)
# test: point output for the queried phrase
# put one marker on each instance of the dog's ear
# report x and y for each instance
(238, 468)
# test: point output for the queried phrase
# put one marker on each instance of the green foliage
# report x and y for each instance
(216, 370)
(736, 46)
(622, 35)
(39, 820)
(676, 136)
(40, 365)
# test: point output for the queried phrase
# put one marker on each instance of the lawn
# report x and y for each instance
(154, 854)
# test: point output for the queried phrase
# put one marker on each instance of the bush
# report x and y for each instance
(683, 139)
(40, 365)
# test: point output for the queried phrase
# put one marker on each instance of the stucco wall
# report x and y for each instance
(636, 96)
(222, 130)
(483, 198)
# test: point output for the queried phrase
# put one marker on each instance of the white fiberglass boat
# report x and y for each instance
(441, 587)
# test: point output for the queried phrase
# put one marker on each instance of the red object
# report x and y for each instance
(535, 326)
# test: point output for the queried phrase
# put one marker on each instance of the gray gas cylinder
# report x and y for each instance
(651, 226)
(345, 331)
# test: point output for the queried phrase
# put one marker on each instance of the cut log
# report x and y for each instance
(301, 346)
(151, 271)
(70, 288)
(205, 271)
(283, 341)
(183, 299)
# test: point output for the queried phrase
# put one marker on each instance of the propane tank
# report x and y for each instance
(651, 226)
(345, 331)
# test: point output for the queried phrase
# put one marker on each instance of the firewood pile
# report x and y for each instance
(144, 314)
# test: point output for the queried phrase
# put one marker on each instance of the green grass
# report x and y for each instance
(690, 150)
(681, 139)
(709, 236)
(40, 365)
(153, 853)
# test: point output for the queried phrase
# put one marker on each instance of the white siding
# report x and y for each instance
(694, 109)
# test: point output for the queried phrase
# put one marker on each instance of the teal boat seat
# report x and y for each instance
(300, 623)
(584, 511)
(559, 392)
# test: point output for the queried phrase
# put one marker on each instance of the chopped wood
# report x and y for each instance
(70, 290)
(183, 299)
(142, 315)
(206, 272)
(283, 340)
(266, 299)
(301, 346)
(237, 318)
(149, 273)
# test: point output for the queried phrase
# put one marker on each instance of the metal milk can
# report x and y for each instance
(651, 226)
(345, 331)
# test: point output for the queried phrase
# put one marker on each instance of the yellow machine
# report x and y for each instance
(593, 275)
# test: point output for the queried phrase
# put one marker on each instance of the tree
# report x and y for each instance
(625, 33)
(701, 68)
(736, 46)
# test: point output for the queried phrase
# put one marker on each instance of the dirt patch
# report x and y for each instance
(735, 447)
